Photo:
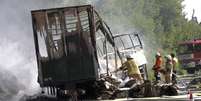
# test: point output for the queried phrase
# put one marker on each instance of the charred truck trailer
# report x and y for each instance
(66, 51)
(65, 47)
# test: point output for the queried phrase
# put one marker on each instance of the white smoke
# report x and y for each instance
(17, 53)
(17, 71)
(18, 67)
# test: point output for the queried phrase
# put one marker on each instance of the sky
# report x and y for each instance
(189, 5)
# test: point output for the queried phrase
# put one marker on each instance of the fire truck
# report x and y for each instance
(189, 55)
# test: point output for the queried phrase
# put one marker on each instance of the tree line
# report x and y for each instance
(162, 22)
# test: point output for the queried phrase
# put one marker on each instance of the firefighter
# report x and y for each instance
(157, 66)
(168, 69)
(132, 69)
(174, 63)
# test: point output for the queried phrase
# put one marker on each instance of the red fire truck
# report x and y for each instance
(189, 55)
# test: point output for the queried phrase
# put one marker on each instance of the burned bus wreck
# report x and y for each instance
(77, 53)
(126, 44)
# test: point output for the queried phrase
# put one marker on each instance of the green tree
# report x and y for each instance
(162, 22)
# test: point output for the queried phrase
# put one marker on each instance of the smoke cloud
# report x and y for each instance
(18, 67)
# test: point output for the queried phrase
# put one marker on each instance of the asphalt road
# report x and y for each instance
(196, 97)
